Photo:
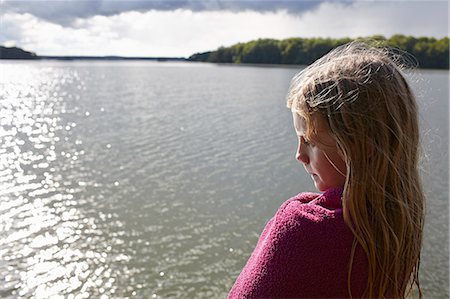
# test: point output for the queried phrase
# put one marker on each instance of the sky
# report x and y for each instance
(180, 28)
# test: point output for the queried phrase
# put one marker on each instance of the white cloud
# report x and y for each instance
(362, 18)
(183, 32)
(154, 33)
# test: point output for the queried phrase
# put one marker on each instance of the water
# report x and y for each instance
(154, 180)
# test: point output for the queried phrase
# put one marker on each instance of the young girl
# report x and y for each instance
(358, 137)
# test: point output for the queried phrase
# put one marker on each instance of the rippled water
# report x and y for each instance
(154, 180)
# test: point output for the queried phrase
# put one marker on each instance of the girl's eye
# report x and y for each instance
(305, 141)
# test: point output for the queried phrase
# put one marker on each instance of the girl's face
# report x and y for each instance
(319, 155)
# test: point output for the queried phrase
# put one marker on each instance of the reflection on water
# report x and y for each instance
(48, 245)
(154, 180)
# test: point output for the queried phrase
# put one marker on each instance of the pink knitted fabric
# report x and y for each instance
(304, 252)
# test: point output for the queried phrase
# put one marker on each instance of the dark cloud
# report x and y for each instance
(61, 12)
(65, 11)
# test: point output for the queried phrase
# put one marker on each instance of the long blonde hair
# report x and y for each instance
(371, 111)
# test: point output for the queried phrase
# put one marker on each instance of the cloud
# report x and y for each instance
(183, 32)
(363, 18)
(154, 33)
(64, 12)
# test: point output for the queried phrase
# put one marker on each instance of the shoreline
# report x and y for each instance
(169, 60)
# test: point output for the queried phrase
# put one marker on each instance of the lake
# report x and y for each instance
(155, 179)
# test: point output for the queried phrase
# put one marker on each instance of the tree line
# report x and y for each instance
(427, 52)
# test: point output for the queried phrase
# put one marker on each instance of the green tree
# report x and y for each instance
(429, 52)
(262, 51)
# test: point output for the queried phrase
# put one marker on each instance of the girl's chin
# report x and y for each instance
(320, 187)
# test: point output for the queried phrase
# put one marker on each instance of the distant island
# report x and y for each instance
(429, 52)
(112, 58)
(16, 53)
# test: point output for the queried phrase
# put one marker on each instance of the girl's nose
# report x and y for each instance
(301, 154)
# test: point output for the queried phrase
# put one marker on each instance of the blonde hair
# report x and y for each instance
(361, 93)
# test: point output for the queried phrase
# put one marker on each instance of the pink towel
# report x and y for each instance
(304, 252)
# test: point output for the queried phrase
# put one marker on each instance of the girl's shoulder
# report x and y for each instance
(330, 200)
(310, 211)
(312, 220)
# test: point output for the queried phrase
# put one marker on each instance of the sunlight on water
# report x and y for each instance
(45, 239)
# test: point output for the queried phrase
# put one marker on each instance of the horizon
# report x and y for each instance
(183, 28)
(166, 57)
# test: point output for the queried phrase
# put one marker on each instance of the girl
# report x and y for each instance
(358, 137)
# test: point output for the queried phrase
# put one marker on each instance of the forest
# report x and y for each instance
(422, 52)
